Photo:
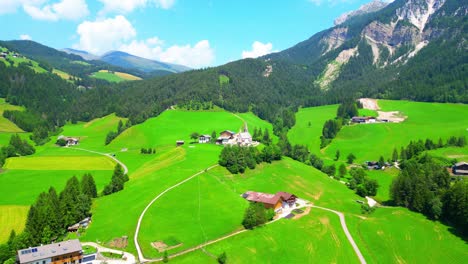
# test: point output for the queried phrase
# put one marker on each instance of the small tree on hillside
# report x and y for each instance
(165, 257)
(222, 258)
(342, 171)
(194, 136)
(337, 155)
(255, 215)
(350, 158)
(395, 155)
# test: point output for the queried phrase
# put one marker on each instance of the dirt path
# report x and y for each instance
(141, 257)
(130, 258)
(105, 154)
(346, 231)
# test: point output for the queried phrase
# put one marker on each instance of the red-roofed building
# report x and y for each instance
(272, 201)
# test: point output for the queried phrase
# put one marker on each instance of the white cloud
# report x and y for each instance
(103, 35)
(25, 37)
(11, 6)
(258, 49)
(64, 9)
(126, 6)
(197, 56)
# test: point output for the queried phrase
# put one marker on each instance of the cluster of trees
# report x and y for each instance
(117, 181)
(424, 186)
(414, 148)
(120, 128)
(196, 105)
(147, 151)
(301, 153)
(346, 110)
(261, 136)
(237, 159)
(16, 147)
(361, 183)
(256, 214)
(51, 214)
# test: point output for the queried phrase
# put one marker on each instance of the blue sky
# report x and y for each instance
(197, 33)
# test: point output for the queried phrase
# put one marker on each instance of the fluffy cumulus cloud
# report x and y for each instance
(126, 6)
(103, 35)
(47, 10)
(199, 55)
(11, 6)
(258, 49)
(118, 33)
(25, 37)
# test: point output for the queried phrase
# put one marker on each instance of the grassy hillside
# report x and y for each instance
(368, 142)
(114, 76)
(309, 124)
(12, 217)
(6, 126)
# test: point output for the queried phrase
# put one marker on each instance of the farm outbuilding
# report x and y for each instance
(204, 139)
(460, 168)
(272, 201)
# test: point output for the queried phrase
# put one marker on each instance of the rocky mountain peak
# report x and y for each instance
(373, 6)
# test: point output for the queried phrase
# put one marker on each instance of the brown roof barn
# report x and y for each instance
(273, 201)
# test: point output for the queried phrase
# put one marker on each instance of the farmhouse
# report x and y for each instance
(70, 141)
(363, 119)
(460, 168)
(276, 201)
(83, 223)
(204, 139)
(243, 138)
(63, 252)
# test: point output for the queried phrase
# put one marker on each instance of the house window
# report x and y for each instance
(43, 262)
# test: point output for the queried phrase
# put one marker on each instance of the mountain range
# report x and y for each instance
(129, 61)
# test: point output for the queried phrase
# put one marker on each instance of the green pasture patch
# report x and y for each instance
(5, 124)
(384, 178)
(314, 238)
(367, 112)
(116, 215)
(424, 120)
(173, 125)
(223, 79)
(21, 187)
(457, 153)
(110, 77)
(60, 163)
(309, 125)
(202, 209)
(12, 217)
(396, 235)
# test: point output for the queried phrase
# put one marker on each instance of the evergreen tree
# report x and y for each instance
(395, 155)
(88, 186)
(341, 171)
(69, 202)
(337, 155)
(222, 258)
(350, 158)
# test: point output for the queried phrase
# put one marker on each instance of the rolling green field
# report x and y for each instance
(12, 217)
(309, 124)
(6, 126)
(114, 77)
(314, 238)
(397, 235)
(210, 205)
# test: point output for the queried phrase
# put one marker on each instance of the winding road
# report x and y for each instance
(107, 155)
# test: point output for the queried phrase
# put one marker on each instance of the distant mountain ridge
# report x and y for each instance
(129, 61)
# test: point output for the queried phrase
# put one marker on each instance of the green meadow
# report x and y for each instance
(12, 217)
(309, 124)
(397, 235)
(6, 126)
(210, 205)
(114, 76)
(313, 238)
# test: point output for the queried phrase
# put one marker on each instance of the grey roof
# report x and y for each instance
(49, 251)
(461, 163)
